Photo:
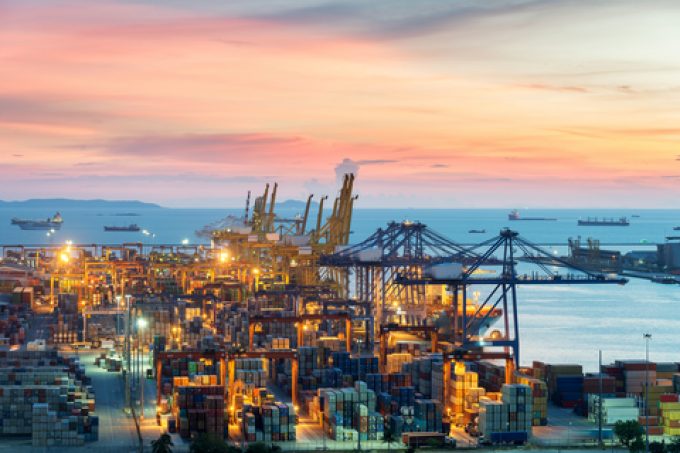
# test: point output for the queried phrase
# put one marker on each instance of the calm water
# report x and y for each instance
(557, 323)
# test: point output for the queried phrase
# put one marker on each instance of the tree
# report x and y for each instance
(259, 447)
(637, 445)
(674, 445)
(205, 443)
(163, 444)
(628, 431)
(389, 436)
(657, 447)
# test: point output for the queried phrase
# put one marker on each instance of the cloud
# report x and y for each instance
(204, 146)
(351, 166)
(439, 166)
(345, 167)
(546, 87)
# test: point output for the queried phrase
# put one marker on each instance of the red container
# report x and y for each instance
(669, 398)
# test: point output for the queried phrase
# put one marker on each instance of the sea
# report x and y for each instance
(558, 323)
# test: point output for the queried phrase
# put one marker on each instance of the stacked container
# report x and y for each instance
(396, 361)
(271, 422)
(670, 414)
(613, 409)
(428, 414)
(539, 398)
(511, 415)
(200, 409)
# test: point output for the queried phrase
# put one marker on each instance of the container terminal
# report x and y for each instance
(280, 331)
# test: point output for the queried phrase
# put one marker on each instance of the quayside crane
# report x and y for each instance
(503, 292)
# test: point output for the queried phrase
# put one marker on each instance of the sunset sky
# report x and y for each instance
(435, 103)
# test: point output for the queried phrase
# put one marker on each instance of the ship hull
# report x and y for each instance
(586, 223)
(39, 225)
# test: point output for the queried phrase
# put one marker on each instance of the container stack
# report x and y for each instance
(349, 413)
(377, 382)
(356, 367)
(184, 367)
(234, 326)
(200, 409)
(655, 392)
(271, 422)
(327, 377)
(636, 373)
(464, 393)
(280, 343)
(511, 415)
(670, 415)
(491, 376)
(565, 382)
(539, 398)
(308, 361)
(613, 409)
(396, 361)
(49, 430)
(428, 415)
(421, 374)
(252, 373)
(591, 384)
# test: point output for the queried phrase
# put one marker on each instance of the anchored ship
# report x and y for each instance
(594, 221)
(51, 223)
(131, 227)
(514, 215)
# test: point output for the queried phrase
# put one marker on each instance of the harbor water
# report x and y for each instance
(558, 323)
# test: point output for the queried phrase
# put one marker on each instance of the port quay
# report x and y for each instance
(279, 332)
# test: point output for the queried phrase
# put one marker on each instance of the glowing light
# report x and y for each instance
(141, 323)
(185, 241)
(64, 257)
(224, 256)
(256, 271)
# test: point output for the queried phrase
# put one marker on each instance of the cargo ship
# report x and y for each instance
(131, 228)
(51, 223)
(514, 215)
(594, 221)
(677, 228)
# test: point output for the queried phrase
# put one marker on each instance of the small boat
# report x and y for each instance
(677, 228)
(130, 228)
(514, 215)
(665, 280)
(594, 221)
(51, 223)
(635, 216)
(477, 231)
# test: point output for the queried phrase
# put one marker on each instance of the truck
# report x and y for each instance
(426, 439)
(512, 437)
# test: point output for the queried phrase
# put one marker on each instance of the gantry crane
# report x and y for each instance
(394, 327)
(298, 321)
(503, 291)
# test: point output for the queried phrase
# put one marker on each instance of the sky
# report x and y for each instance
(445, 104)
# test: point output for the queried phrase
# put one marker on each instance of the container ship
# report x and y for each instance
(603, 222)
(131, 228)
(514, 215)
(51, 223)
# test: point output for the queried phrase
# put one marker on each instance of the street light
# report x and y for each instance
(647, 337)
(141, 324)
(118, 300)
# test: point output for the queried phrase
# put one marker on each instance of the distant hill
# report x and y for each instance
(64, 203)
(294, 204)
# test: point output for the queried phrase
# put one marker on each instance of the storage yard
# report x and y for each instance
(281, 333)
